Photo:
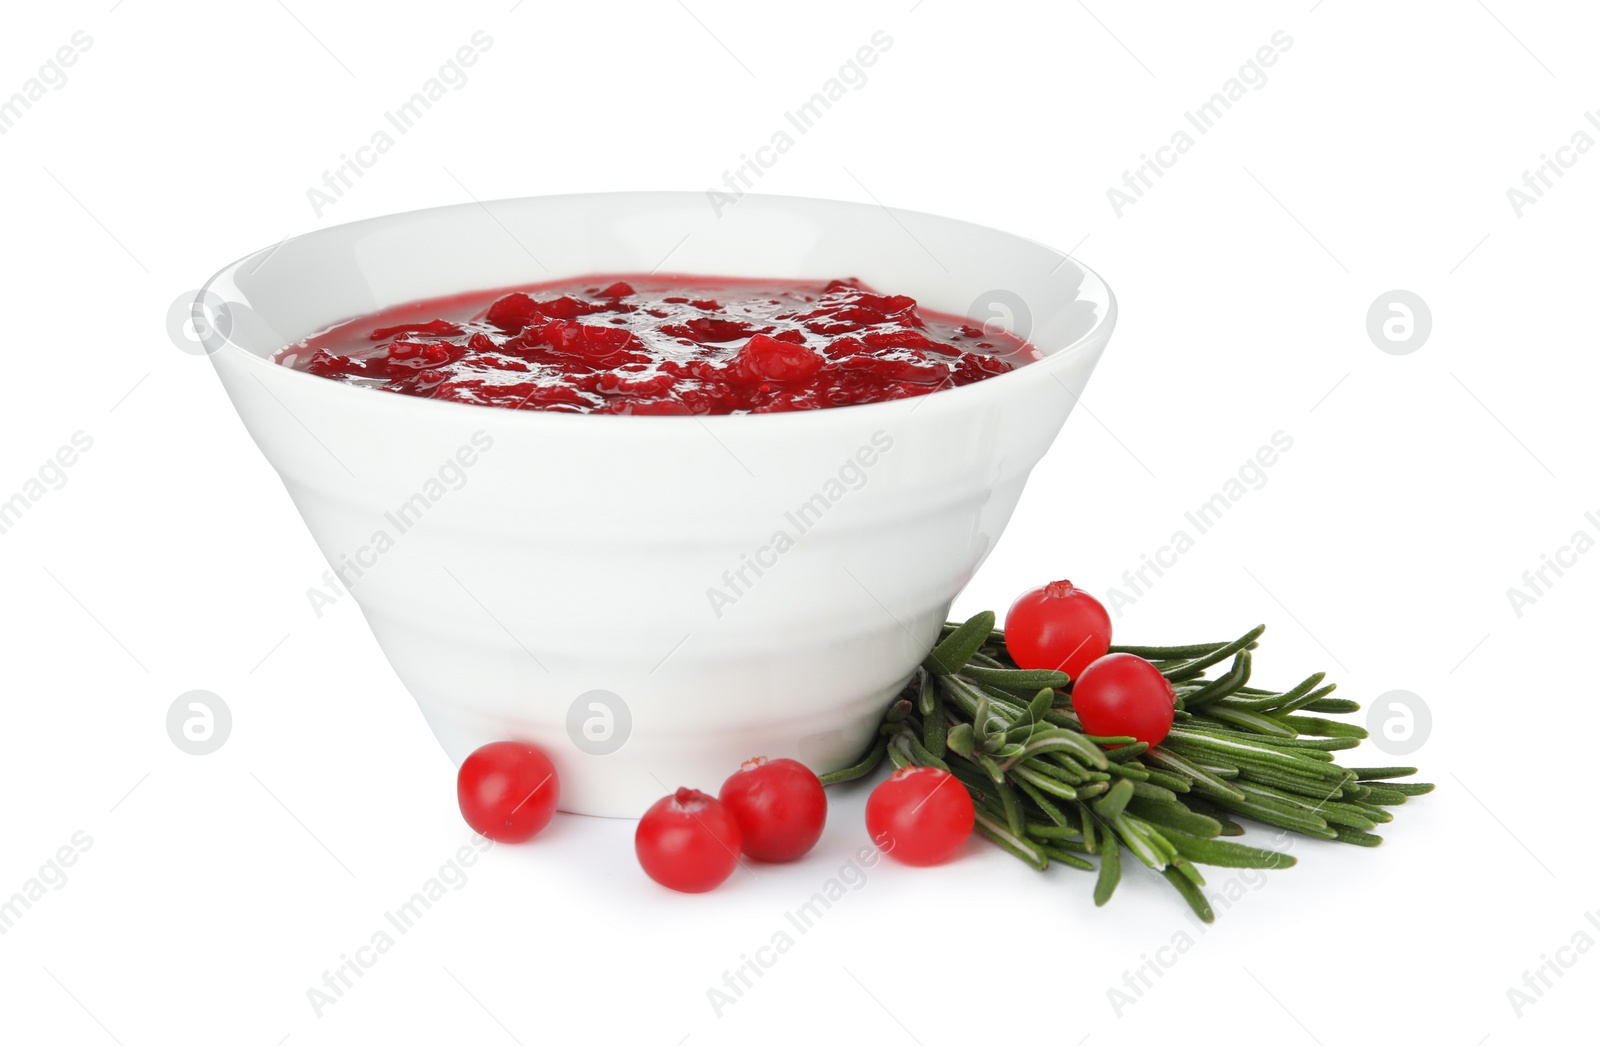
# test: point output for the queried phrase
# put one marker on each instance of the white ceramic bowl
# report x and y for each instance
(551, 576)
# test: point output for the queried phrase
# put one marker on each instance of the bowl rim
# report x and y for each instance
(1101, 329)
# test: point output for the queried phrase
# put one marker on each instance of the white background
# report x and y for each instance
(1376, 156)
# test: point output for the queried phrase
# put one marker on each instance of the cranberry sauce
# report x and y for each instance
(646, 344)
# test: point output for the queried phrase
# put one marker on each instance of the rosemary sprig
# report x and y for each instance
(1048, 792)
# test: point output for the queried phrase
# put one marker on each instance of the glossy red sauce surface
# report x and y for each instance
(648, 344)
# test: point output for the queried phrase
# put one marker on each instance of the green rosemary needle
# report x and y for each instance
(1048, 792)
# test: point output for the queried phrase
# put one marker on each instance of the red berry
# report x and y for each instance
(1057, 626)
(1121, 695)
(780, 807)
(687, 841)
(507, 791)
(920, 816)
